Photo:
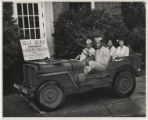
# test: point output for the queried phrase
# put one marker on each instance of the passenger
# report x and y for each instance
(112, 49)
(122, 50)
(102, 58)
(89, 51)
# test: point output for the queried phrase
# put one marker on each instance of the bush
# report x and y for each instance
(137, 42)
(73, 28)
(12, 56)
(134, 18)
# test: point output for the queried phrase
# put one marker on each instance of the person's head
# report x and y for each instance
(88, 43)
(98, 41)
(110, 43)
(121, 42)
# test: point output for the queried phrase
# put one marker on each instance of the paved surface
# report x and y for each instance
(97, 103)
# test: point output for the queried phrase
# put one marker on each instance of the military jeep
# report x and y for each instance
(49, 81)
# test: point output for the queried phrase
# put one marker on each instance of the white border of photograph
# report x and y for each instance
(67, 118)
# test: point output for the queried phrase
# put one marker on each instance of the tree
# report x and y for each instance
(134, 18)
(73, 28)
(12, 58)
(133, 14)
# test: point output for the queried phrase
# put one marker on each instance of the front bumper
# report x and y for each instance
(22, 89)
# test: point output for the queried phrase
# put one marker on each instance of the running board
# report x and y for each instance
(99, 82)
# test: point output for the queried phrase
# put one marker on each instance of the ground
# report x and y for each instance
(98, 103)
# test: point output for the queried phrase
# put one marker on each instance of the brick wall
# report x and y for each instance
(59, 7)
(109, 7)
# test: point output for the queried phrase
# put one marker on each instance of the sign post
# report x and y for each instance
(35, 49)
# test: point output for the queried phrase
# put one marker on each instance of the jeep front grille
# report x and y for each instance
(29, 74)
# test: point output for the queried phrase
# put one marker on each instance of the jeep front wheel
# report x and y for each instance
(50, 97)
(124, 84)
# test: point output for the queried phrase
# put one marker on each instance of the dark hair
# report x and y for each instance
(110, 40)
(121, 40)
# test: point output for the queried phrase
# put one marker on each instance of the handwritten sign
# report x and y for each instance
(35, 49)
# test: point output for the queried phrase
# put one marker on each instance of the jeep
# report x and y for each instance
(49, 81)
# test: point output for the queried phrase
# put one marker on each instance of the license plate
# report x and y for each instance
(21, 88)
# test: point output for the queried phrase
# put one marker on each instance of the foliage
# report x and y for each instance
(134, 18)
(133, 14)
(12, 59)
(73, 28)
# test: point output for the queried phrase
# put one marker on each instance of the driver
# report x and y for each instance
(102, 58)
(89, 51)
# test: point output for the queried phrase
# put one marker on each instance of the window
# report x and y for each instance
(28, 20)
(79, 5)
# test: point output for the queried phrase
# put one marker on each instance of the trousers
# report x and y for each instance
(93, 65)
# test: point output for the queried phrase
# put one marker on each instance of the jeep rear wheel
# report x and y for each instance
(50, 97)
(124, 84)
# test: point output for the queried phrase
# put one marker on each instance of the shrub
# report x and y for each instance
(12, 56)
(134, 18)
(73, 28)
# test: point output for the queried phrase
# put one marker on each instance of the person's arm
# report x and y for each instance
(77, 57)
(117, 54)
(126, 52)
(114, 53)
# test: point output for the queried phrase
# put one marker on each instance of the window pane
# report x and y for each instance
(30, 9)
(19, 9)
(27, 34)
(21, 34)
(32, 34)
(31, 22)
(37, 21)
(26, 22)
(37, 33)
(36, 9)
(25, 9)
(20, 22)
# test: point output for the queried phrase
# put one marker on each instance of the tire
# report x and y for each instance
(124, 84)
(49, 96)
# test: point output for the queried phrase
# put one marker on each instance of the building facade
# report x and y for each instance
(36, 19)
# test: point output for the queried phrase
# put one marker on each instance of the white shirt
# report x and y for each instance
(102, 55)
(91, 52)
(112, 51)
(121, 52)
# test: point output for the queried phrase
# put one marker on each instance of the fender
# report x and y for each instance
(117, 66)
(126, 67)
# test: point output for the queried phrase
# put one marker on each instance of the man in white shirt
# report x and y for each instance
(112, 50)
(88, 51)
(122, 50)
(102, 58)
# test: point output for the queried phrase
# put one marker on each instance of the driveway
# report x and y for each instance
(98, 103)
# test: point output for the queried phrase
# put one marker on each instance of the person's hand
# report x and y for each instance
(117, 58)
(85, 51)
(78, 57)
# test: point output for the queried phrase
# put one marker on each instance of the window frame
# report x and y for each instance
(40, 18)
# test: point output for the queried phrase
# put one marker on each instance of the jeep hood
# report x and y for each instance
(50, 66)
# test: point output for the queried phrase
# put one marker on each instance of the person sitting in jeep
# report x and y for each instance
(122, 50)
(112, 50)
(88, 52)
(102, 58)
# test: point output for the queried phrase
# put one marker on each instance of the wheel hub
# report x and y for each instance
(51, 96)
(125, 85)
